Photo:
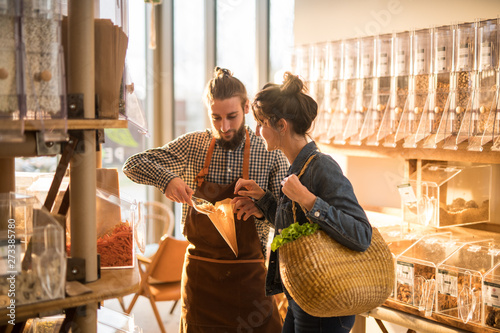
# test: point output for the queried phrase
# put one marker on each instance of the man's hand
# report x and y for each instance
(178, 191)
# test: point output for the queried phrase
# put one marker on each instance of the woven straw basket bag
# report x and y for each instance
(327, 279)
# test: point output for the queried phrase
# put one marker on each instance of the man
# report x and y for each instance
(221, 292)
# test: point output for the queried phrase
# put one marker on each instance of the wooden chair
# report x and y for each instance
(161, 275)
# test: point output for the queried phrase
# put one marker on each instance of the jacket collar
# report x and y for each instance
(308, 150)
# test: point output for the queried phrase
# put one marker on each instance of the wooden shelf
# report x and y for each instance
(70, 124)
(399, 152)
(416, 320)
(113, 283)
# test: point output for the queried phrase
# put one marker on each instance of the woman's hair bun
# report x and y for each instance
(219, 71)
(292, 84)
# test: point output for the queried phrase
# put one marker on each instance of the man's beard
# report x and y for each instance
(234, 142)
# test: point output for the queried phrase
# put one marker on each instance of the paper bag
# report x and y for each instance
(223, 220)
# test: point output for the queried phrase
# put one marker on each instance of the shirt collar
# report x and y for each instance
(302, 158)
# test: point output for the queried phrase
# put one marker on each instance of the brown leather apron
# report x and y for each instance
(222, 293)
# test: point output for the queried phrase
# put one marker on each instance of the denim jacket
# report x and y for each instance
(336, 208)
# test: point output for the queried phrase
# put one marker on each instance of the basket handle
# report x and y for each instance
(294, 208)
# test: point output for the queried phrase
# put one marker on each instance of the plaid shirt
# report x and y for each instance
(184, 157)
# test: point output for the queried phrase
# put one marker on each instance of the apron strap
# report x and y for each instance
(203, 172)
(246, 157)
(200, 178)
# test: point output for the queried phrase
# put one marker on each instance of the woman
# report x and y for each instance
(284, 115)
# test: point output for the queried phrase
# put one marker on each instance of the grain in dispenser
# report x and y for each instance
(400, 76)
(44, 77)
(11, 92)
(461, 85)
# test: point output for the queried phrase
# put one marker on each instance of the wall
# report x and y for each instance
(323, 20)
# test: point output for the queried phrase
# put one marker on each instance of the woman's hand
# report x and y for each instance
(295, 191)
(248, 188)
(244, 207)
(177, 190)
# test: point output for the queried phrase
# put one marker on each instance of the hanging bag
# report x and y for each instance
(327, 279)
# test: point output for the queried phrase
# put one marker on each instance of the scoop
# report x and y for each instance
(202, 205)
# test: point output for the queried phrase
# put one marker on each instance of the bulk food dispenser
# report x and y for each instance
(364, 92)
(442, 63)
(416, 270)
(460, 280)
(381, 90)
(43, 68)
(33, 262)
(400, 76)
(11, 111)
(491, 297)
(319, 86)
(461, 81)
(448, 195)
(350, 83)
(421, 101)
(334, 52)
(403, 54)
(478, 122)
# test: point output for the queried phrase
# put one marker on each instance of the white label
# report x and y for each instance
(463, 56)
(485, 55)
(383, 65)
(404, 273)
(441, 59)
(447, 283)
(491, 294)
(407, 194)
(400, 62)
(349, 73)
(366, 66)
(420, 61)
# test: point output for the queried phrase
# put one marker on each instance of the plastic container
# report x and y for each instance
(461, 86)
(33, 262)
(337, 92)
(364, 93)
(400, 76)
(491, 298)
(332, 78)
(478, 124)
(442, 60)
(420, 107)
(416, 270)
(381, 90)
(117, 220)
(460, 278)
(448, 195)
(350, 84)
(44, 77)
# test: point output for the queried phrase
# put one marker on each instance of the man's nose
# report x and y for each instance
(225, 125)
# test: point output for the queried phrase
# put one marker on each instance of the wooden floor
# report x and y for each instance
(144, 316)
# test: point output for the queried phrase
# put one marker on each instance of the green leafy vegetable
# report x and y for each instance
(292, 232)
